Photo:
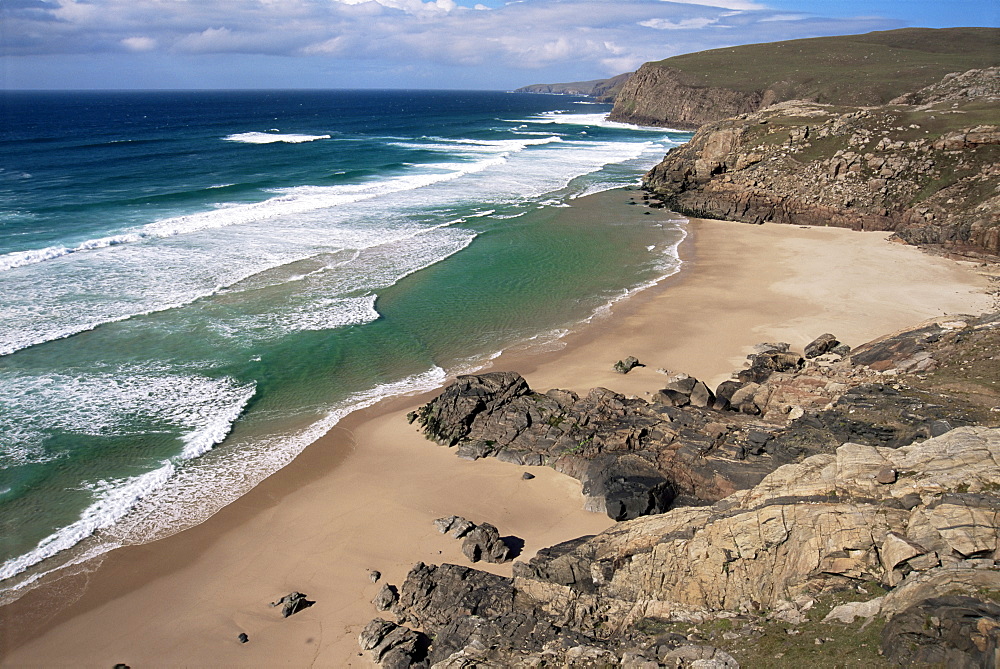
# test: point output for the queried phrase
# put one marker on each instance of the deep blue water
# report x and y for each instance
(195, 285)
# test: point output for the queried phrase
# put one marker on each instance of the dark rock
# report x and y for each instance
(374, 575)
(393, 646)
(446, 523)
(484, 543)
(771, 347)
(527, 476)
(628, 486)
(886, 476)
(684, 385)
(292, 603)
(627, 365)
(727, 388)
(939, 427)
(701, 396)
(672, 398)
(243, 638)
(433, 596)
(842, 350)
(461, 527)
(386, 598)
(683, 391)
(953, 631)
(822, 344)
(453, 414)
(505, 636)
(762, 365)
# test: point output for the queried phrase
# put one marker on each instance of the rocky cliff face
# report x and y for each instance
(928, 172)
(662, 96)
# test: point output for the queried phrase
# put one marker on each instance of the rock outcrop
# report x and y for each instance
(928, 173)
(819, 526)
(694, 446)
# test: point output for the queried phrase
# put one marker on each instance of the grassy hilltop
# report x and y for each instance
(693, 89)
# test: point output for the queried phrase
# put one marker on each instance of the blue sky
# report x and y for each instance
(456, 44)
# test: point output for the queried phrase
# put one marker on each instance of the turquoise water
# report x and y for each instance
(194, 286)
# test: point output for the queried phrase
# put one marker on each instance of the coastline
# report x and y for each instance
(364, 495)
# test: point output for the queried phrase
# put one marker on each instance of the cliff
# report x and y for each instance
(925, 166)
(602, 90)
(692, 89)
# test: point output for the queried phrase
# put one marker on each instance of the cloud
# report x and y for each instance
(592, 37)
(684, 24)
(139, 43)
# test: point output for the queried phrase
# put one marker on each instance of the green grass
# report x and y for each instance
(769, 644)
(854, 69)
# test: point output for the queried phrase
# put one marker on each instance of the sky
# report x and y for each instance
(429, 44)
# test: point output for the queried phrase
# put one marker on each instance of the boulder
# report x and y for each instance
(386, 598)
(627, 365)
(762, 365)
(684, 390)
(484, 543)
(291, 603)
(822, 344)
(393, 646)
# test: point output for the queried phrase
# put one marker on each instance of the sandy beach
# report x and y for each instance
(364, 497)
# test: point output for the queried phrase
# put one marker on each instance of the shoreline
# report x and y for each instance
(374, 478)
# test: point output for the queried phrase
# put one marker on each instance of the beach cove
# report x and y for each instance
(364, 496)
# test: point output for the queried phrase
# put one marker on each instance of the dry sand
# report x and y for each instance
(364, 496)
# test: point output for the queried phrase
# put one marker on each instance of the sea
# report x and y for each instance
(194, 286)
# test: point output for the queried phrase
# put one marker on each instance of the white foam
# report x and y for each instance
(288, 201)
(107, 404)
(173, 498)
(272, 137)
(117, 499)
(175, 261)
(599, 120)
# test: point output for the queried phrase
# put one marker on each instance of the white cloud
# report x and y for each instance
(785, 17)
(683, 24)
(724, 4)
(139, 43)
(589, 38)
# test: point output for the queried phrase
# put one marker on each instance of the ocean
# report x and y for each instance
(196, 285)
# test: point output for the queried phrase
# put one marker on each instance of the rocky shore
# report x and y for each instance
(924, 166)
(831, 501)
